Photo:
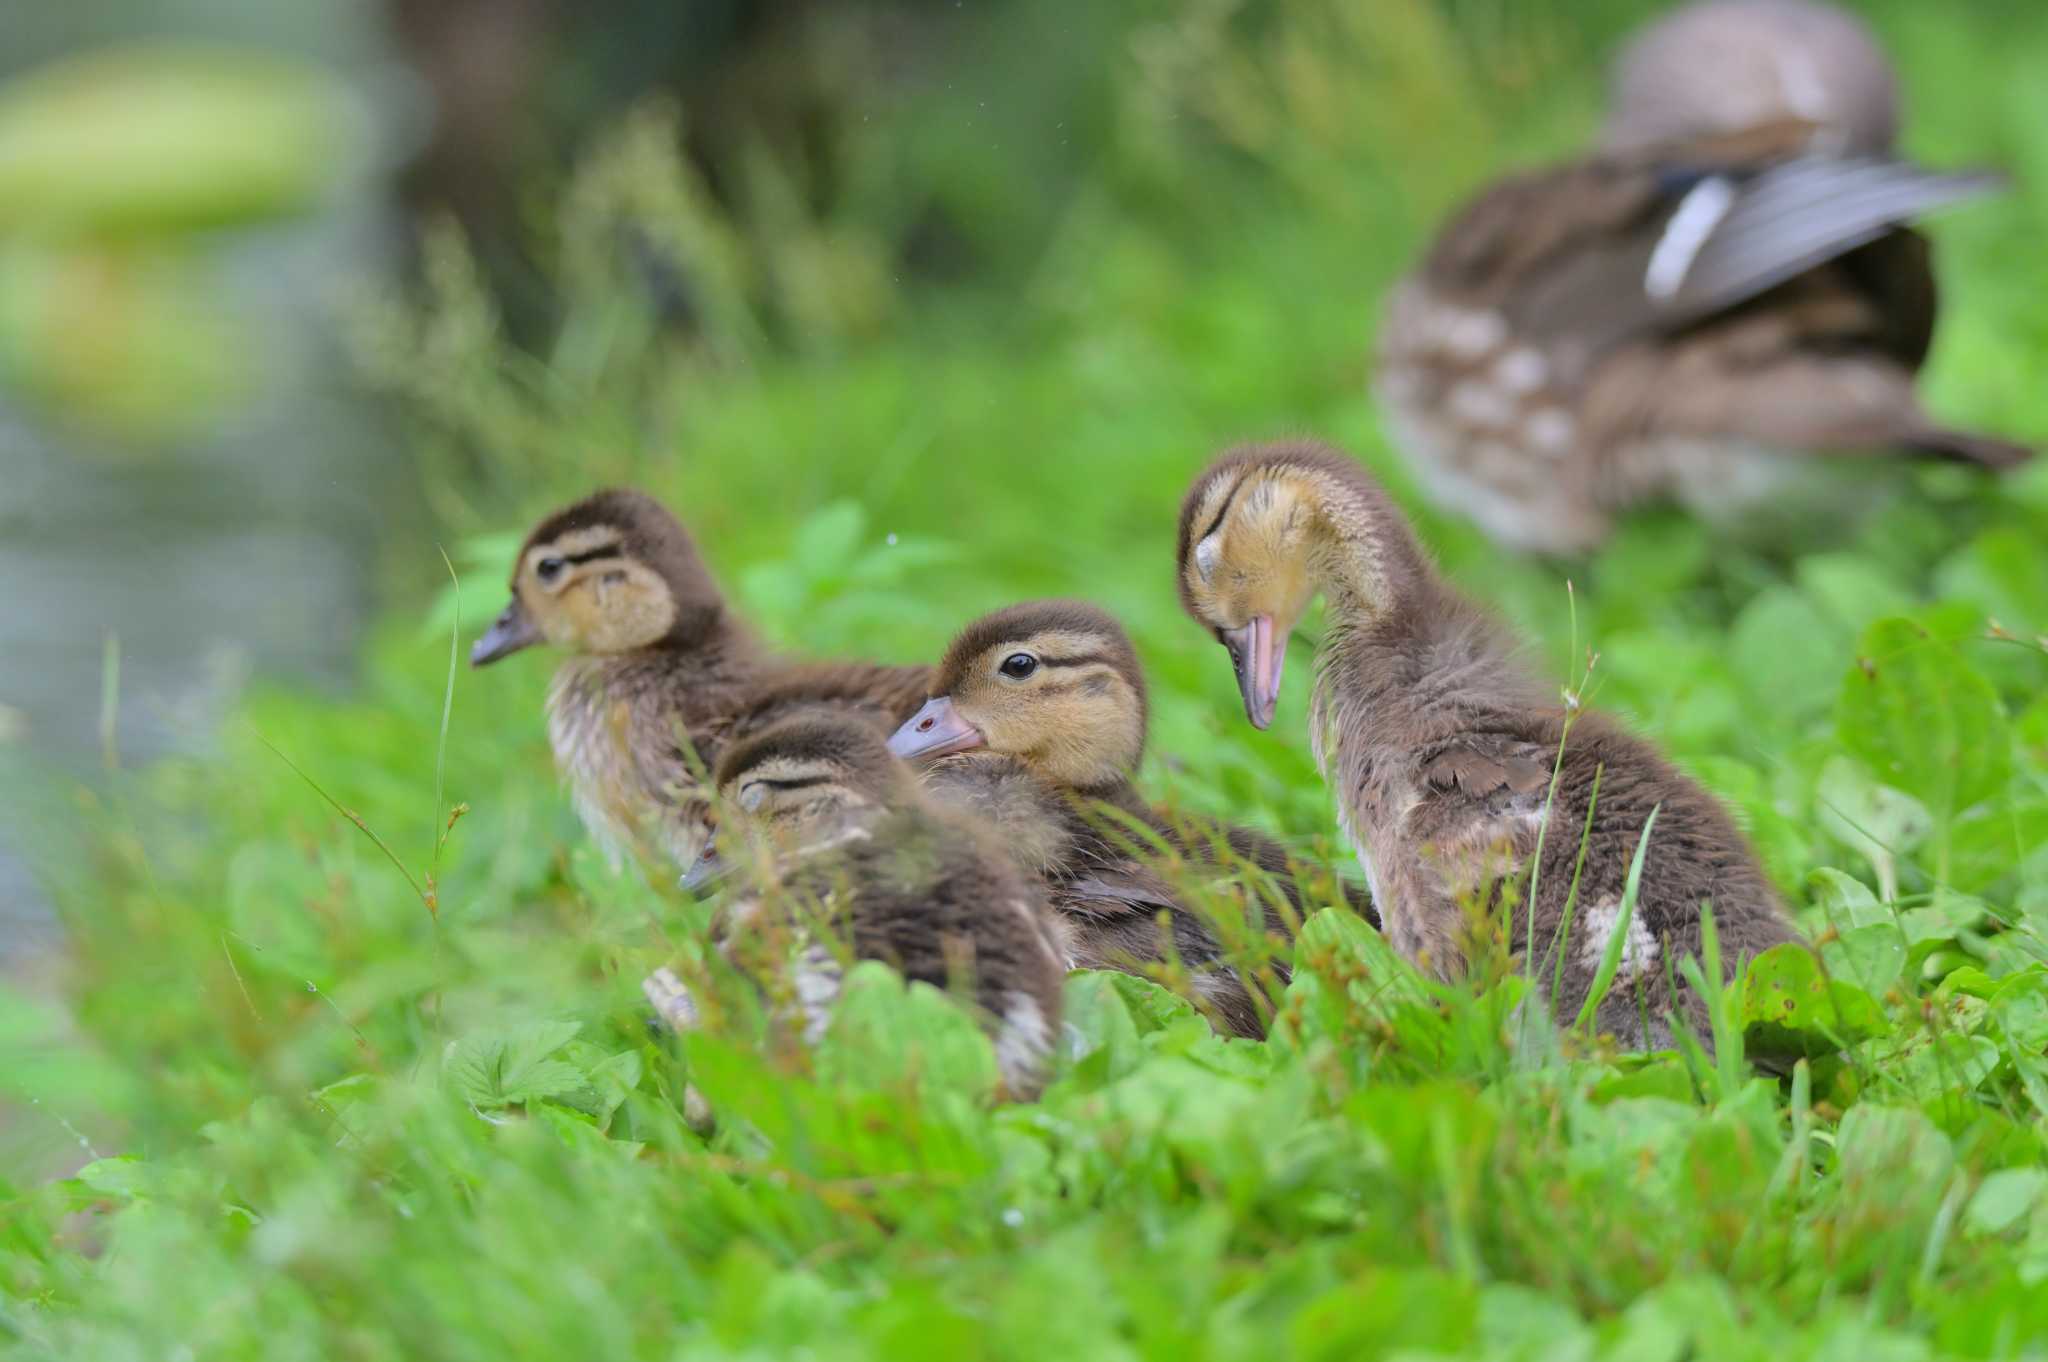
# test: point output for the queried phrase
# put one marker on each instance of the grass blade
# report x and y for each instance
(352, 816)
(1617, 937)
(440, 835)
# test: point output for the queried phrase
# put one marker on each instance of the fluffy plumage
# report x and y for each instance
(843, 840)
(663, 675)
(1047, 755)
(1440, 746)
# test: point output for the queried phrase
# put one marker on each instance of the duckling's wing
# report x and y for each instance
(1501, 773)
(1114, 891)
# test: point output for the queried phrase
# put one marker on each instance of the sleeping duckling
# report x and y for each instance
(1441, 745)
(661, 666)
(1037, 721)
(840, 831)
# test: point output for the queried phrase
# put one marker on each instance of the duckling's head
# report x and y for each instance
(1728, 66)
(613, 573)
(809, 770)
(1055, 684)
(1263, 531)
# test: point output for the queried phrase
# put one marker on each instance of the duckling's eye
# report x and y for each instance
(1018, 666)
(547, 569)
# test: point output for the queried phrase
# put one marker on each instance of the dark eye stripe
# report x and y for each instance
(592, 555)
(1078, 660)
(1221, 512)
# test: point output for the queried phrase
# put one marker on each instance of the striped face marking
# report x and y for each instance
(792, 790)
(586, 591)
(1065, 701)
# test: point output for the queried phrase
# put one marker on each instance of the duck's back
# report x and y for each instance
(1678, 323)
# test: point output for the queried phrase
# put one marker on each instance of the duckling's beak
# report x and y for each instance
(511, 631)
(1258, 657)
(708, 869)
(934, 731)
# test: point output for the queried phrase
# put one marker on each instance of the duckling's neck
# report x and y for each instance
(727, 653)
(1398, 638)
(1360, 557)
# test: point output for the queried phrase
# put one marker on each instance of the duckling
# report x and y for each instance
(845, 831)
(1037, 722)
(662, 674)
(1441, 745)
(1718, 307)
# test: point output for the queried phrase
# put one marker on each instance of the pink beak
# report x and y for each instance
(934, 731)
(1258, 657)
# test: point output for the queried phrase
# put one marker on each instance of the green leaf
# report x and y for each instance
(1868, 948)
(2021, 1006)
(2004, 573)
(2004, 1199)
(1786, 650)
(1100, 1018)
(1388, 1311)
(123, 1176)
(1153, 1008)
(1935, 1066)
(1790, 1008)
(1880, 823)
(1944, 920)
(886, 1035)
(1923, 720)
(1996, 841)
(1844, 900)
(1853, 590)
(507, 1067)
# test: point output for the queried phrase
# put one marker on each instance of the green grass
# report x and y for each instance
(352, 1109)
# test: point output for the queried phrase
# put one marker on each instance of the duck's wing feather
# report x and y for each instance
(1787, 219)
(1495, 773)
(1590, 254)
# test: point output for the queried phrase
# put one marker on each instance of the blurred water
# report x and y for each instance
(243, 548)
(250, 552)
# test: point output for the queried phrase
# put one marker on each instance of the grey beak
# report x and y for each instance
(708, 869)
(935, 731)
(511, 631)
(1257, 657)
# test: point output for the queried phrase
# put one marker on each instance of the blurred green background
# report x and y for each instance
(909, 311)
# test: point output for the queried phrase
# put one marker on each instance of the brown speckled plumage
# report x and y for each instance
(927, 891)
(1440, 747)
(1691, 312)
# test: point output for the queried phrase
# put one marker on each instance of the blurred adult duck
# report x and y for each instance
(1719, 306)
